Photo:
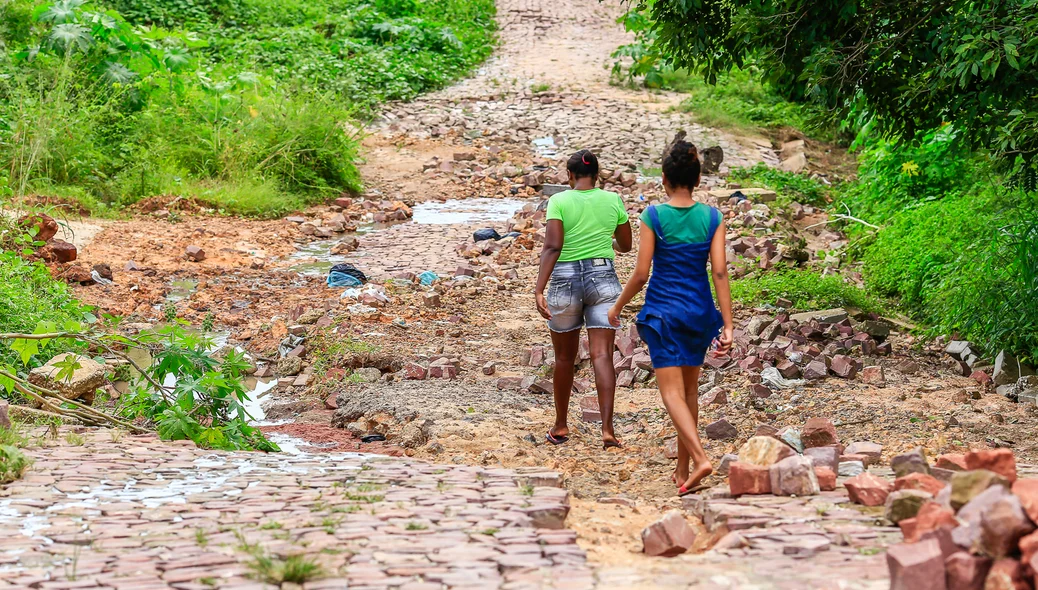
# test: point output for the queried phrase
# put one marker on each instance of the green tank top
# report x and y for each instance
(681, 225)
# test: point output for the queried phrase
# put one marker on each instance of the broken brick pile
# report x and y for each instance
(1010, 377)
(974, 529)
(344, 215)
(810, 346)
(792, 462)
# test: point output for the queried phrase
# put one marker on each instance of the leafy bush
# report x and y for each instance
(808, 290)
(902, 67)
(12, 463)
(215, 95)
(28, 295)
(183, 390)
(956, 245)
(736, 100)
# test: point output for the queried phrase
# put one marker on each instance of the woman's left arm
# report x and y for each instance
(719, 267)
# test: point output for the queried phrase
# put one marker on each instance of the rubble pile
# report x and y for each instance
(345, 213)
(968, 524)
(1007, 375)
(795, 462)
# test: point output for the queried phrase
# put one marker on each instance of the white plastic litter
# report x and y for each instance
(772, 378)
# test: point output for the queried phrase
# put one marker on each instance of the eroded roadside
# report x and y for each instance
(453, 372)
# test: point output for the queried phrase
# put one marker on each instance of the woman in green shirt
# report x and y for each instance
(578, 258)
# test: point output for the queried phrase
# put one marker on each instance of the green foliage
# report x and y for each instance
(957, 246)
(205, 402)
(789, 186)
(13, 463)
(246, 104)
(902, 68)
(29, 296)
(808, 290)
(185, 391)
(736, 100)
(295, 569)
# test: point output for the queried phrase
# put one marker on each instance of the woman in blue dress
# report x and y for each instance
(679, 320)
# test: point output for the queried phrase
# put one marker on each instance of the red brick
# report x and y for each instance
(669, 536)
(952, 461)
(931, 516)
(1027, 491)
(744, 478)
(826, 479)
(1001, 461)
(916, 566)
(868, 490)
(966, 572)
(919, 481)
(819, 432)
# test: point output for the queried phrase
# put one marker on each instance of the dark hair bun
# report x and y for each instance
(681, 165)
(583, 164)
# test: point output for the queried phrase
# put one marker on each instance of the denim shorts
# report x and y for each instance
(581, 293)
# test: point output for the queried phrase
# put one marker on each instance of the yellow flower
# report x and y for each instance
(910, 168)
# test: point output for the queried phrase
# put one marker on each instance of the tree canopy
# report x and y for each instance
(904, 66)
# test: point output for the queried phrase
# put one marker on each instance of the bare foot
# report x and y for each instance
(678, 476)
(559, 431)
(697, 476)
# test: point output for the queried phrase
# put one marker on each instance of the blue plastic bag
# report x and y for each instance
(427, 278)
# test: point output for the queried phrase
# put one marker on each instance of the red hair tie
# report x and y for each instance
(583, 158)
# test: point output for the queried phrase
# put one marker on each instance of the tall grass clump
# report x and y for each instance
(108, 102)
(958, 245)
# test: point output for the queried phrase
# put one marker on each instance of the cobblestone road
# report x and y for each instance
(140, 514)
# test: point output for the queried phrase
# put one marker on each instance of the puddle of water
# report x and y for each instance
(316, 258)
(296, 446)
(181, 289)
(258, 388)
(466, 211)
(545, 147)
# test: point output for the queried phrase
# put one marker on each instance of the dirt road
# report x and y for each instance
(476, 155)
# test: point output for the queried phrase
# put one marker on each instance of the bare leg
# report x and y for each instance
(672, 389)
(602, 342)
(565, 345)
(690, 377)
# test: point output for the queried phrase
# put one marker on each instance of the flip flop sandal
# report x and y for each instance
(370, 438)
(682, 492)
(555, 440)
(611, 444)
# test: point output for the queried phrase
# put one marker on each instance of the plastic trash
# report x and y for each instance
(485, 234)
(99, 279)
(512, 234)
(738, 195)
(772, 378)
(346, 275)
(427, 278)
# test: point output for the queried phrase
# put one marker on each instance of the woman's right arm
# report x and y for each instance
(646, 248)
(553, 240)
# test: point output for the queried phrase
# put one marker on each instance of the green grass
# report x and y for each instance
(808, 290)
(250, 105)
(958, 247)
(28, 295)
(789, 186)
(740, 103)
(295, 569)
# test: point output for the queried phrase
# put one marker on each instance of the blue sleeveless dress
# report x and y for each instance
(679, 320)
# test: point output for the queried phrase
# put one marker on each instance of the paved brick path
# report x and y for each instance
(140, 514)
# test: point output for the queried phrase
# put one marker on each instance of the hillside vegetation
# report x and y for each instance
(250, 105)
